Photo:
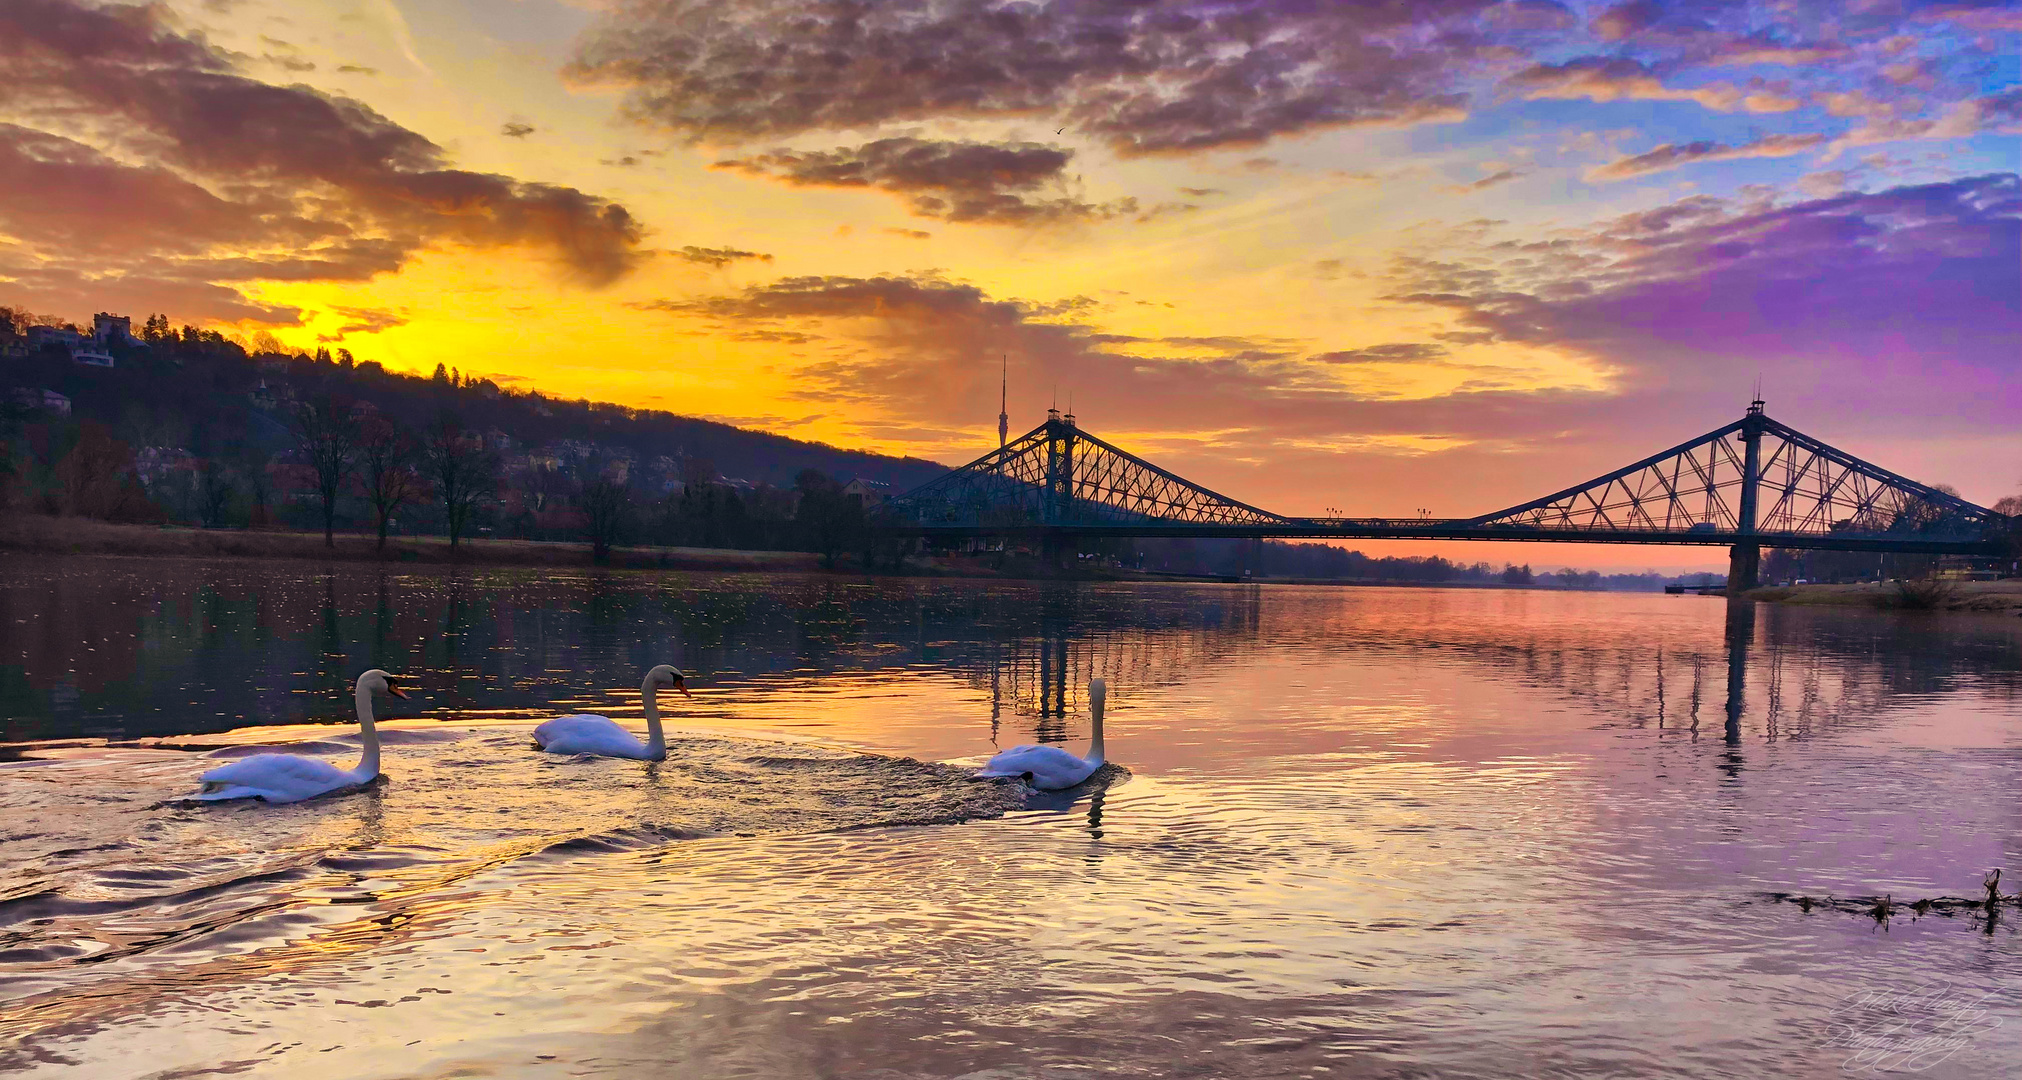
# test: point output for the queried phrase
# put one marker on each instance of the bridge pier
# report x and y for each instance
(1744, 568)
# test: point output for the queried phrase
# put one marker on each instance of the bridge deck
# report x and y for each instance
(1325, 529)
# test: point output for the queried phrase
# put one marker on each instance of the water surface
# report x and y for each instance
(1356, 832)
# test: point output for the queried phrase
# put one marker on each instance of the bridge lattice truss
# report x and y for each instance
(1754, 481)
(1803, 488)
(1058, 475)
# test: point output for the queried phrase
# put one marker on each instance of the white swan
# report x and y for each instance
(1049, 768)
(588, 734)
(287, 778)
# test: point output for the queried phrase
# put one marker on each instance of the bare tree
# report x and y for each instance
(463, 471)
(386, 459)
(327, 432)
(215, 492)
(251, 464)
(607, 509)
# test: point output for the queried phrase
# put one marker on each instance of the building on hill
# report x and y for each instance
(112, 329)
(871, 493)
(92, 358)
(43, 336)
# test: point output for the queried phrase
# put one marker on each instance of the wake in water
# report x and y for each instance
(100, 863)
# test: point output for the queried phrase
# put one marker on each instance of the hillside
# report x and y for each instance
(197, 392)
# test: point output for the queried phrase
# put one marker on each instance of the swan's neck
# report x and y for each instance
(368, 765)
(656, 740)
(1095, 742)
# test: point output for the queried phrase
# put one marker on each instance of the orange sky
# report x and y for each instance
(1452, 258)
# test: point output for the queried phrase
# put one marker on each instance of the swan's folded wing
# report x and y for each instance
(1020, 760)
(267, 771)
(579, 726)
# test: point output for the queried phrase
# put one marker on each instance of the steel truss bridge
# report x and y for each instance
(1747, 485)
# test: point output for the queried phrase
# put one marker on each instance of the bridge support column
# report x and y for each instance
(1744, 568)
(1744, 560)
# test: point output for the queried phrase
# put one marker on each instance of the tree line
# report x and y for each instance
(197, 427)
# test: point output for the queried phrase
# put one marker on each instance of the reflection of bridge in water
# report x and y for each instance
(1747, 485)
(1764, 669)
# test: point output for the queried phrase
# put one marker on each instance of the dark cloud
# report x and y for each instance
(356, 69)
(1399, 353)
(1181, 76)
(359, 320)
(516, 129)
(777, 337)
(985, 183)
(1526, 17)
(718, 258)
(1202, 192)
(368, 320)
(155, 136)
(910, 234)
(1144, 77)
(1625, 20)
(1670, 156)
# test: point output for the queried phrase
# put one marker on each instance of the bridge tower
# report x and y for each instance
(1057, 494)
(1744, 559)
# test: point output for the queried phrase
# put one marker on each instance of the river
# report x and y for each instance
(1355, 832)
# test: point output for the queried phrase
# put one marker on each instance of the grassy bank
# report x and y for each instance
(2003, 597)
(83, 536)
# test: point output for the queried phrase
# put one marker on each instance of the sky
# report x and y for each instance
(1374, 257)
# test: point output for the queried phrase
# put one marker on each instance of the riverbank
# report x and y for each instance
(83, 536)
(2001, 597)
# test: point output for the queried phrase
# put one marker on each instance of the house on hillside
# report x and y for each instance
(871, 493)
(43, 336)
(92, 358)
(112, 329)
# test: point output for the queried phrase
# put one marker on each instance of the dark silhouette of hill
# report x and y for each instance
(197, 391)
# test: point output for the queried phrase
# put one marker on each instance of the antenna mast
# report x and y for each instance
(1004, 404)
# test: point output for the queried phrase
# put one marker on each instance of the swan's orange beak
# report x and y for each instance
(395, 691)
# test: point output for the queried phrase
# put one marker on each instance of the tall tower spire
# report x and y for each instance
(1004, 404)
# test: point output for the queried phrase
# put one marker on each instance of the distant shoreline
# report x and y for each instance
(82, 536)
(42, 534)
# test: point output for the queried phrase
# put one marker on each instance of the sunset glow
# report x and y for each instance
(1310, 255)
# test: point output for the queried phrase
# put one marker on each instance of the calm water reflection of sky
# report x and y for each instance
(1362, 831)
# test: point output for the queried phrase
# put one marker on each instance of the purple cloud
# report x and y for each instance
(1913, 294)
(986, 183)
(1147, 78)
